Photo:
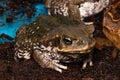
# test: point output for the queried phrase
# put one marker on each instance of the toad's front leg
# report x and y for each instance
(45, 61)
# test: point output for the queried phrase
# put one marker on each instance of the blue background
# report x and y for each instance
(11, 28)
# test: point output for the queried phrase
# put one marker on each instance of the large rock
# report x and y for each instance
(111, 23)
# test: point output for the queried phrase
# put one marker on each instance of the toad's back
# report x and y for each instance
(27, 36)
(49, 36)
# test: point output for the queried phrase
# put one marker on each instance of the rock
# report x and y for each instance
(101, 43)
(111, 24)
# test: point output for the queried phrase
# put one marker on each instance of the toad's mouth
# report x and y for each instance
(78, 52)
(80, 49)
(85, 49)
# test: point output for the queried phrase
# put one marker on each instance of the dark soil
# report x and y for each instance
(105, 68)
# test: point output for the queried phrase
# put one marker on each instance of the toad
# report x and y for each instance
(52, 40)
(76, 9)
(64, 7)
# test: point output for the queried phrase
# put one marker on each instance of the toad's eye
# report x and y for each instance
(67, 40)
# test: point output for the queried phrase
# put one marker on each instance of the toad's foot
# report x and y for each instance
(45, 61)
(87, 62)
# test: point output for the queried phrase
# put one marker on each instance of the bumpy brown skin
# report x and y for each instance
(76, 9)
(64, 7)
(51, 40)
(111, 25)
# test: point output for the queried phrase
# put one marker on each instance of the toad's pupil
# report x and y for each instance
(67, 41)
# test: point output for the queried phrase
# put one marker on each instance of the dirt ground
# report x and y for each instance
(105, 68)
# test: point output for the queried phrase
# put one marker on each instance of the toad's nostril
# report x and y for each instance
(82, 42)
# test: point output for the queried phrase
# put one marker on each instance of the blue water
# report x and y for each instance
(11, 28)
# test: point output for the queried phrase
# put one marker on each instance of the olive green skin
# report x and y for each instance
(50, 39)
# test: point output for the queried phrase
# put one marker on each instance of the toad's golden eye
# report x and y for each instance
(67, 40)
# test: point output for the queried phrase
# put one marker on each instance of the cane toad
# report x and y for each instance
(64, 7)
(76, 9)
(51, 40)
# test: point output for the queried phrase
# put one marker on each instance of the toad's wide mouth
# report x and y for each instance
(78, 52)
(84, 49)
